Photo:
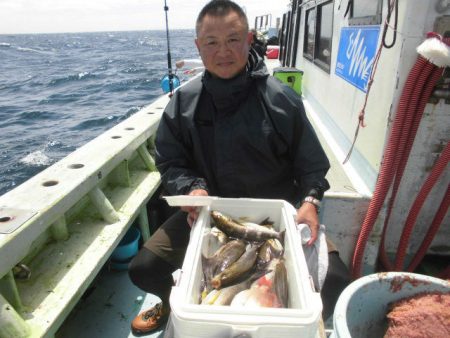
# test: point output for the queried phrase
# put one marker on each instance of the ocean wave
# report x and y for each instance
(73, 77)
(61, 98)
(132, 110)
(129, 112)
(34, 115)
(54, 143)
(135, 84)
(36, 158)
(98, 122)
(5, 45)
(134, 70)
(26, 49)
(151, 43)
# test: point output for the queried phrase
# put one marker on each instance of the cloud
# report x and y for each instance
(28, 16)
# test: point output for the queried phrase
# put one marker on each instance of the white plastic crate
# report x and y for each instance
(300, 319)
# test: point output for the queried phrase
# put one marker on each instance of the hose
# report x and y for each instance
(426, 81)
(393, 165)
(387, 168)
(437, 220)
(431, 180)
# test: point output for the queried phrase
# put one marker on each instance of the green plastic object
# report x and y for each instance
(291, 76)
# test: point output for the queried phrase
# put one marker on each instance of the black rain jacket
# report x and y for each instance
(265, 148)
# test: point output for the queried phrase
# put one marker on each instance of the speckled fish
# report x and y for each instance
(238, 269)
(238, 230)
(222, 258)
(272, 248)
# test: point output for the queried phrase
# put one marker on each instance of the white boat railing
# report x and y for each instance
(63, 224)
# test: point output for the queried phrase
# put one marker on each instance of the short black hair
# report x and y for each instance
(220, 8)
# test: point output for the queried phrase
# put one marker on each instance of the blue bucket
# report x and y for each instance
(128, 246)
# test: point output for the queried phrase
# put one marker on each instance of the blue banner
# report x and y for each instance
(356, 54)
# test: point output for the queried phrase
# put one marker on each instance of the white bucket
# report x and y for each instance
(361, 309)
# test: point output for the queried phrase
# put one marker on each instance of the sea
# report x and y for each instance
(59, 91)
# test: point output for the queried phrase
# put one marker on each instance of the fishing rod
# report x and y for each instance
(172, 79)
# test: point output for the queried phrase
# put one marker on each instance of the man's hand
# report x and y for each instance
(179, 63)
(194, 211)
(307, 214)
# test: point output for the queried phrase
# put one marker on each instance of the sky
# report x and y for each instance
(58, 16)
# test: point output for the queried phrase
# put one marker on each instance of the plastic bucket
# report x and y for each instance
(128, 246)
(362, 307)
(272, 52)
(290, 76)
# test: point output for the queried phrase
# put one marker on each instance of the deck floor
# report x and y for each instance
(107, 309)
(337, 177)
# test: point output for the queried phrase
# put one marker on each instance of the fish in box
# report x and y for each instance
(302, 311)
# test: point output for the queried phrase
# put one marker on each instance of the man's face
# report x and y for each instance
(223, 44)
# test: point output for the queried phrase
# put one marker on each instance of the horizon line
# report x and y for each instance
(98, 31)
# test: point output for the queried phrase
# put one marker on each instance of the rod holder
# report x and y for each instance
(147, 158)
(103, 205)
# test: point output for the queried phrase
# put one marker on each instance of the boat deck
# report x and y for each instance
(337, 177)
(108, 307)
(110, 304)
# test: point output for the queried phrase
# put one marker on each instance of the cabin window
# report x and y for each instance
(365, 12)
(318, 34)
(310, 29)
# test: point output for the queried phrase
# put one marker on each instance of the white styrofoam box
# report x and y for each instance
(302, 316)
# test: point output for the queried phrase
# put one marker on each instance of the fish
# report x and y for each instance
(275, 280)
(256, 297)
(214, 239)
(265, 222)
(221, 237)
(225, 295)
(226, 255)
(235, 229)
(272, 248)
(280, 284)
(238, 269)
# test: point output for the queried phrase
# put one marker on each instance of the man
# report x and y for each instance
(258, 44)
(234, 132)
